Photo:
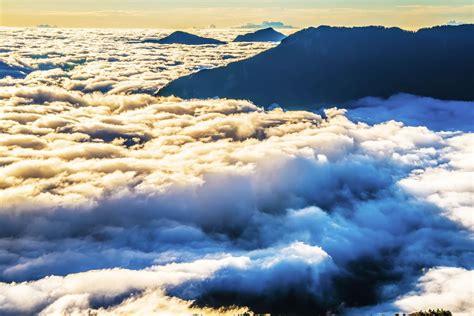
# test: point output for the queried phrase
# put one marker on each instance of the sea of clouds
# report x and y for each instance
(114, 201)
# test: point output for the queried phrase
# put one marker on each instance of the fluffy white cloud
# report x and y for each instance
(449, 185)
(143, 291)
(448, 288)
(58, 294)
(442, 287)
(418, 111)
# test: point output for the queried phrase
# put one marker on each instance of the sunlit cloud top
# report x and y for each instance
(408, 14)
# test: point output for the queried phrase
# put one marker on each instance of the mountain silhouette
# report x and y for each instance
(184, 38)
(265, 35)
(328, 65)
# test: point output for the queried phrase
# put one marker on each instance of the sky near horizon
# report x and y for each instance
(408, 14)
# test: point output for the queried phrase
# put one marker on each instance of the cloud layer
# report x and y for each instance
(116, 61)
(116, 202)
(416, 111)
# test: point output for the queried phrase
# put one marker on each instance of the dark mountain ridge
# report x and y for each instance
(328, 65)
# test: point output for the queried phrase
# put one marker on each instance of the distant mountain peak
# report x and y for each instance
(263, 35)
(184, 38)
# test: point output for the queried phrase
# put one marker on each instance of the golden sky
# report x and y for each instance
(407, 14)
